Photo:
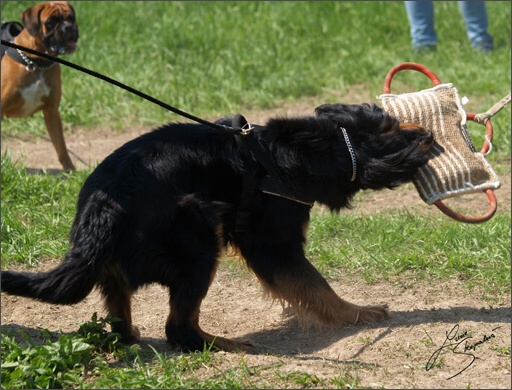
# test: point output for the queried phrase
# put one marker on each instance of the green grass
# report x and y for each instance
(37, 212)
(400, 247)
(220, 58)
(214, 59)
(56, 363)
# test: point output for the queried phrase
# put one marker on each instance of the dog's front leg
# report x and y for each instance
(55, 129)
(287, 275)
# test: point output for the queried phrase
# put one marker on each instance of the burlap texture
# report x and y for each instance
(455, 167)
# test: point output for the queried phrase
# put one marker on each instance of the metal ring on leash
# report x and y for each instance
(493, 204)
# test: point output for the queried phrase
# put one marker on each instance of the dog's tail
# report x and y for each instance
(92, 241)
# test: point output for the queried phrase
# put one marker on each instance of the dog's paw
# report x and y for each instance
(369, 314)
(229, 345)
(133, 337)
(136, 332)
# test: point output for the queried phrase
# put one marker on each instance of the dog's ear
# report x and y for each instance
(71, 8)
(411, 126)
(411, 131)
(30, 19)
(328, 109)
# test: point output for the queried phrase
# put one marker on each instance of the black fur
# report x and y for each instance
(162, 207)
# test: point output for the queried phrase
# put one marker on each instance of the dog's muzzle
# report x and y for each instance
(63, 39)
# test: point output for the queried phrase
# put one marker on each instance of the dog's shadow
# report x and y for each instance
(307, 341)
(293, 340)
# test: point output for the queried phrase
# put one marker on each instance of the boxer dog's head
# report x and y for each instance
(54, 24)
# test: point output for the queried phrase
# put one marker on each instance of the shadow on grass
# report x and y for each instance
(306, 341)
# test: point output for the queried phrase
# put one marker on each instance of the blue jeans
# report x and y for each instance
(421, 20)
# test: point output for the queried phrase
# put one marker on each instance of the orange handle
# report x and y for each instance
(411, 66)
(493, 204)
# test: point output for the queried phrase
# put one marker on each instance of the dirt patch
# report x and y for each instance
(391, 354)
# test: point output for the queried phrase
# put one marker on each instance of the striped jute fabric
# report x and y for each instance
(455, 167)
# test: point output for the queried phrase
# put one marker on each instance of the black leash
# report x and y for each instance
(130, 89)
(251, 148)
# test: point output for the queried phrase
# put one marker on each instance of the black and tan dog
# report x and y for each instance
(162, 207)
(31, 83)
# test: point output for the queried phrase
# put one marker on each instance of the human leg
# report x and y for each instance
(475, 17)
(421, 20)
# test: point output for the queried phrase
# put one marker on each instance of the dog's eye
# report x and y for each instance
(50, 23)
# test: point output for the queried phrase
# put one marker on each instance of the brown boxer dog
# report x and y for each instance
(31, 83)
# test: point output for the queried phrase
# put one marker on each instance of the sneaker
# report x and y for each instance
(484, 46)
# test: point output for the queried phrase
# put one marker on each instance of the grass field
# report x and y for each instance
(219, 58)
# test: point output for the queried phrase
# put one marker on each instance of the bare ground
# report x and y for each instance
(390, 354)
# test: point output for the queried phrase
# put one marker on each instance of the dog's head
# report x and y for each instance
(54, 23)
(387, 152)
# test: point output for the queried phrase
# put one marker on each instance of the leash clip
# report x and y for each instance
(246, 129)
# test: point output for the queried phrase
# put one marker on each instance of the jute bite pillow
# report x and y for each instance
(455, 167)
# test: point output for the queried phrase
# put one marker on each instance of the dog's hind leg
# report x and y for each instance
(182, 326)
(291, 277)
(118, 304)
(198, 243)
(186, 294)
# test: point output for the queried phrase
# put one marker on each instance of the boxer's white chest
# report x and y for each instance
(34, 94)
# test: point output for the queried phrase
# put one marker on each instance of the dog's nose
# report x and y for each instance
(67, 27)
